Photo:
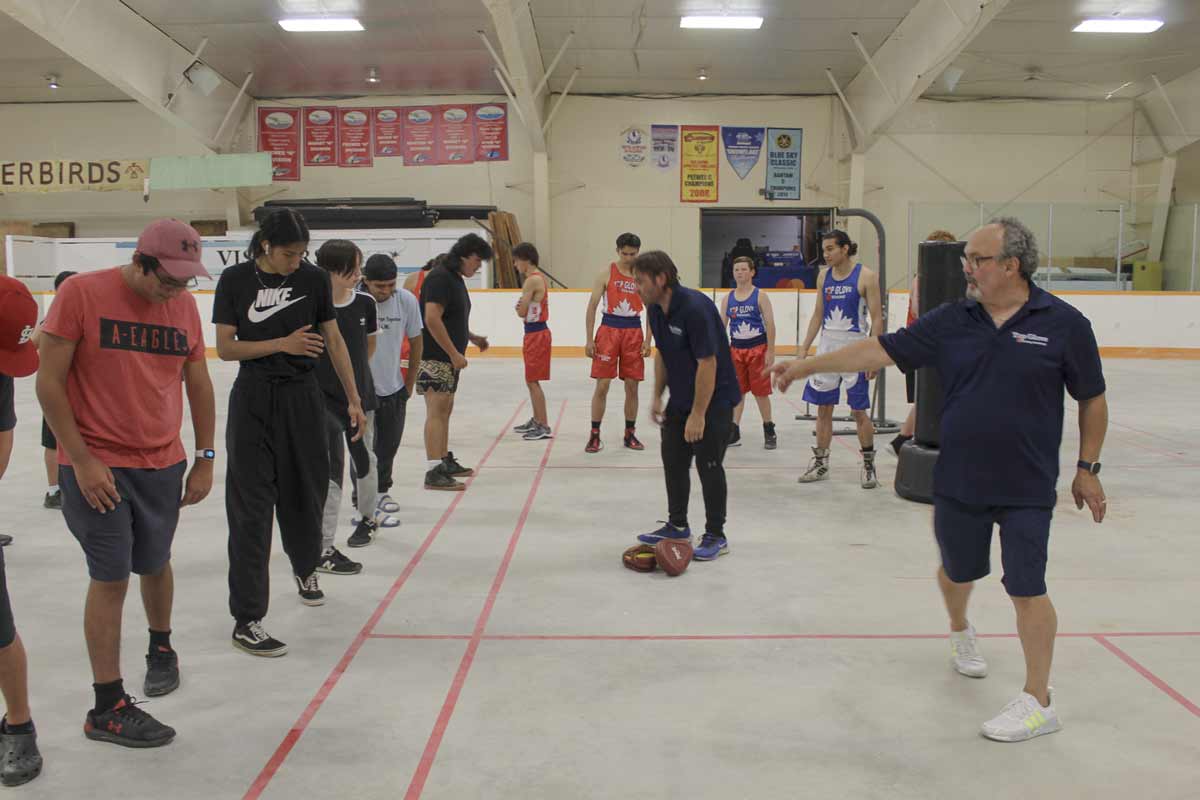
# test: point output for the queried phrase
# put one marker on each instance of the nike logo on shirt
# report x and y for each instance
(270, 302)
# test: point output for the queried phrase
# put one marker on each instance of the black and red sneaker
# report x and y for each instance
(631, 440)
(594, 444)
(127, 725)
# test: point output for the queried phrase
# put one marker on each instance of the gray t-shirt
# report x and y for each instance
(399, 319)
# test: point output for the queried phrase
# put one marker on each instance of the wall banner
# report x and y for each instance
(783, 163)
(743, 146)
(73, 176)
(699, 163)
(279, 135)
(354, 137)
(635, 145)
(388, 137)
(320, 136)
(665, 139)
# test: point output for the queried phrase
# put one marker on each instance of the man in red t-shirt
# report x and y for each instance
(114, 348)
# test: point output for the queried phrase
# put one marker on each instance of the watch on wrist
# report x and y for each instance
(1089, 466)
(207, 455)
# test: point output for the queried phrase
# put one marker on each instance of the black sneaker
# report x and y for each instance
(53, 500)
(437, 480)
(333, 562)
(253, 639)
(310, 591)
(770, 440)
(162, 672)
(363, 534)
(735, 436)
(127, 725)
(455, 469)
(20, 761)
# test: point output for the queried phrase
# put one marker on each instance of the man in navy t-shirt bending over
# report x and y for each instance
(1005, 355)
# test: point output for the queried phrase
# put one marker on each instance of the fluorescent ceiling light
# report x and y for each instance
(1115, 25)
(320, 24)
(723, 22)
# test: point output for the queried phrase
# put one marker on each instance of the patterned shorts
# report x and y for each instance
(437, 377)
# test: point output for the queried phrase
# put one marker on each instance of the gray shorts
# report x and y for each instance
(137, 535)
(8, 630)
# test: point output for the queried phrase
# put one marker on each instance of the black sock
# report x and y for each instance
(108, 695)
(630, 424)
(160, 640)
(595, 426)
(769, 427)
(22, 729)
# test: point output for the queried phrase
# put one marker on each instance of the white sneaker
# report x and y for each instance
(1023, 718)
(382, 520)
(387, 505)
(965, 655)
(818, 468)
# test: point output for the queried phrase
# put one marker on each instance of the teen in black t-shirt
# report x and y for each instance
(446, 309)
(275, 315)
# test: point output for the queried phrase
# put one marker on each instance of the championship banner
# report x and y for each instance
(320, 136)
(455, 135)
(354, 137)
(279, 135)
(783, 163)
(699, 163)
(635, 144)
(388, 137)
(491, 132)
(742, 148)
(420, 142)
(72, 176)
(665, 145)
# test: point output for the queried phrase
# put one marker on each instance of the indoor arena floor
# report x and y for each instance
(495, 648)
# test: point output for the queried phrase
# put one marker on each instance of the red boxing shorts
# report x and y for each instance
(749, 363)
(619, 354)
(536, 351)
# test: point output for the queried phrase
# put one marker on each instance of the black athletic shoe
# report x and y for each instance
(5, 540)
(53, 500)
(437, 480)
(127, 725)
(770, 439)
(455, 469)
(253, 639)
(162, 672)
(333, 562)
(20, 761)
(310, 591)
(363, 534)
(735, 436)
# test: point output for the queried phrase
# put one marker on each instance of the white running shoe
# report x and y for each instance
(965, 655)
(1023, 718)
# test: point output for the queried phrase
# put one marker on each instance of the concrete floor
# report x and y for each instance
(495, 648)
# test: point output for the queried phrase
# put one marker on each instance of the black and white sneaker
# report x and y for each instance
(333, 562)
(53, 500)
(253, 639)
(735, 436)
(364, 534)
(310, 592)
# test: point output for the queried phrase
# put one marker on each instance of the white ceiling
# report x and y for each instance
(627, 46)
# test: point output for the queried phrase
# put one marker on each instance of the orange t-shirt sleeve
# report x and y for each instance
(65, 319)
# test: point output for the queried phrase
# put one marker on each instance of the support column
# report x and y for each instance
(858, 177)
(1162, 207)
(541, 206)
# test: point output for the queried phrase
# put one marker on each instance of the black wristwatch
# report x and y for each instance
(1089, 466)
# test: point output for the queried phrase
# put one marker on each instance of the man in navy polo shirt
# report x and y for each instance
(1005, 354)
(693, 360)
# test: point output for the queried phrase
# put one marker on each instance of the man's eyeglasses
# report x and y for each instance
(974, 261)
(172, 283)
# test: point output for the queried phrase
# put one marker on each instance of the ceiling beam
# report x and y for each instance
(522, 64)
(925, 42)
(127, 51)
(1172, 112)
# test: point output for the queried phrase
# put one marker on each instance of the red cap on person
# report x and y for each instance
(175, 245)
(18, 319)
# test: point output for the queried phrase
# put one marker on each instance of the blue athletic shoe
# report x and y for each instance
(667, 531)
(711, 546)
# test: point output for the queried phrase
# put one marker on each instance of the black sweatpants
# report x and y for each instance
(709, 453)
(278, 462)
(389, 430)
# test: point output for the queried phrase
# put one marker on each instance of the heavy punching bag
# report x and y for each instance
(939, 280)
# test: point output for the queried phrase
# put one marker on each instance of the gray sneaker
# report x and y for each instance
(526, 427)
(538, 432)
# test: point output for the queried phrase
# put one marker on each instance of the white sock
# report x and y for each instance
(52, 489)
(434, 463)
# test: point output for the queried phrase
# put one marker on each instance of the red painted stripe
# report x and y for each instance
(521, 637)
(1148, 675)
(289, 741)
(464, 667)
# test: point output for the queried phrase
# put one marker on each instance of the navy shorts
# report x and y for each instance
(964, 536)
(137, 535)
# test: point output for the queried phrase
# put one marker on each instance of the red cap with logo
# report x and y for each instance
(176, 245)
(18, 319)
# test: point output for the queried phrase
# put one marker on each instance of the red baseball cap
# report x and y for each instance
(18, 318)
(176, 245)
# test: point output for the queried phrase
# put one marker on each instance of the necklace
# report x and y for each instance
(258, 274)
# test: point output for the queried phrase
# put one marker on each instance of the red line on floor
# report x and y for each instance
(1148, 675)
(297, 730)
(464, 667)
(651, 637)
(836, 438)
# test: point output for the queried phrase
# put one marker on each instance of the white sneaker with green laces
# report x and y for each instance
(965, 655)
(1023, 718)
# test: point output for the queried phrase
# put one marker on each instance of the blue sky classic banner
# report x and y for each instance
(783, 163)
(742, 148)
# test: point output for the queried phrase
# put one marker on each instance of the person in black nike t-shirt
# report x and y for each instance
(275, 315)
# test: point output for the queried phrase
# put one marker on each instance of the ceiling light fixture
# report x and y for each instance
(702, 75)
(373, 75)
(722, 23)
(320, 24)
(52, 81)
(1118, 26)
